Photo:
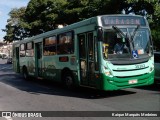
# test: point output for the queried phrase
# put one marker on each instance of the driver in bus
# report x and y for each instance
(120, 46)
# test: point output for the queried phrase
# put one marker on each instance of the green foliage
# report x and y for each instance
(155, 25)
(73, 11)
(14, 27)
(43, 15)
(156, 39)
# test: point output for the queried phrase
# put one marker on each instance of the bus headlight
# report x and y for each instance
(107, 71)
(152, 68)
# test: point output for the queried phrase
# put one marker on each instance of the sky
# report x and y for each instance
(5, 7)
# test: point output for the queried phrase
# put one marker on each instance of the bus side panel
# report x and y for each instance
(49, 68)
(53, 66)
(31, 66)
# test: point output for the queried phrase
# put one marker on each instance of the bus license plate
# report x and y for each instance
(133, 81)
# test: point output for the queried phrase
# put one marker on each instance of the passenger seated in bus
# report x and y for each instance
(120, 46)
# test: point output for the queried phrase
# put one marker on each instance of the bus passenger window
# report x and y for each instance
(22, 50)
(65, 43)
(49, 47)
(30, 49)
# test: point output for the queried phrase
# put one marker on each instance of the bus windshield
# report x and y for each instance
(121, 43)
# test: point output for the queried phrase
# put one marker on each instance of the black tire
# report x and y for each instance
(25, 73)
(68, 80)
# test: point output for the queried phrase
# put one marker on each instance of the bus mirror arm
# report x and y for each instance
(100, 33)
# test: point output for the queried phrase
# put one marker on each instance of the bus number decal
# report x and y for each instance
(140, 66)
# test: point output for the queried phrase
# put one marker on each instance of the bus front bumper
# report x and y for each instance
(115, 83)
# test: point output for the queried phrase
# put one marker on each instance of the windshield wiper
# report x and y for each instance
(135, 31)
(119, 31)
(127, 37)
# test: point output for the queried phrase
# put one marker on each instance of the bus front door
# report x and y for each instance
(86, 56)
(38, 59)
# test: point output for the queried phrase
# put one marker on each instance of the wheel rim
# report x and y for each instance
(69, 81)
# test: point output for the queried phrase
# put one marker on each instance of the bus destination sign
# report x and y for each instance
(123, 20)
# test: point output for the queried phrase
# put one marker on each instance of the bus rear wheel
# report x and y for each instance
(68, 80)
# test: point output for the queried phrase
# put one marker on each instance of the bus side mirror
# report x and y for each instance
(100, 34)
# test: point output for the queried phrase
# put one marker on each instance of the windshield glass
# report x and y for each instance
(126, 43)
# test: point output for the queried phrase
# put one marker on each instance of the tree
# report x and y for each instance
(151, 10)
(155, 25)
(14, 29)
(73, 11)
(101, 7)
(43, 15)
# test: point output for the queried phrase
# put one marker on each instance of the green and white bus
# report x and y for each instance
(84, 53)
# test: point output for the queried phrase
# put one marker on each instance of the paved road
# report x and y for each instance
(17, 94)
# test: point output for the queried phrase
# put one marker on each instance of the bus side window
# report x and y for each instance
(49, 46)
(22, 50)
(65, 43)
(29, 49)
(82, 47)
